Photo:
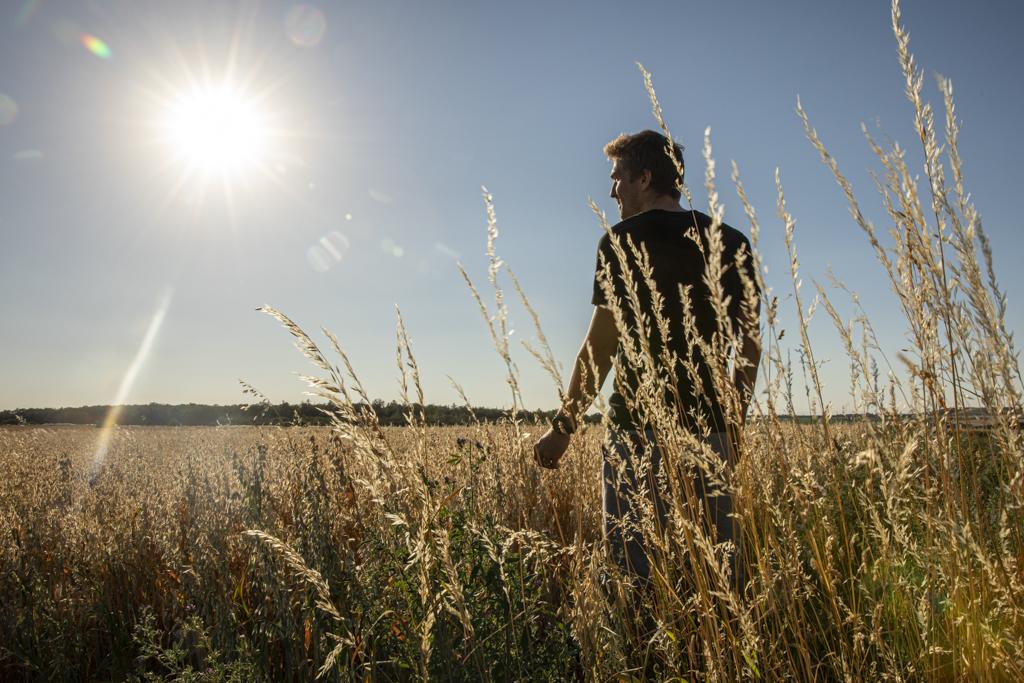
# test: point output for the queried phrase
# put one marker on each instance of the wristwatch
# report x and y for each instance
(562, 424)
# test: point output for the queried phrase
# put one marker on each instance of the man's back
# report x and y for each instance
(677, 265)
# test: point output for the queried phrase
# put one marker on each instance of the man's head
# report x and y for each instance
(643, 173)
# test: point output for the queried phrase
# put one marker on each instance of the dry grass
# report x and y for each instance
(886, 548)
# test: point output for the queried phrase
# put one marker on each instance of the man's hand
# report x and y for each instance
(550, 448)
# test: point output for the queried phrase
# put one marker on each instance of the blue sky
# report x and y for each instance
(385, 120)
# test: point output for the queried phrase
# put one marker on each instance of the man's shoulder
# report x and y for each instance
(704, 222)
(734, 235)
(617, 230)
(636, 226)
(625, 224)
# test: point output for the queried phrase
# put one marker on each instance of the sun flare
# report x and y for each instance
(217, 130)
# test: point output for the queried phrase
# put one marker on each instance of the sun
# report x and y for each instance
(220, 127)
(217, 130)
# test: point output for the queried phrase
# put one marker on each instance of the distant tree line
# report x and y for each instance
(197, 414)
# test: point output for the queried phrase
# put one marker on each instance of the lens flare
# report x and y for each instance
(27, 11)
(328, 251)
(103, 444)
(389, 246)
(96, 46)
(447, 251)
(8, 110)
(305, 25)
(27, 155)
(380, 197)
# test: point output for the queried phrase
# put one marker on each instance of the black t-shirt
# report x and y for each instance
(675, 259)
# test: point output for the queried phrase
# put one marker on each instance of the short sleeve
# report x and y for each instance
(749, 267)
(742, 258)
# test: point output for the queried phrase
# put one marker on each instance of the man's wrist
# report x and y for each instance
(562, 423)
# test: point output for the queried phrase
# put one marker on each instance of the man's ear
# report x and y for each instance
(645, 178)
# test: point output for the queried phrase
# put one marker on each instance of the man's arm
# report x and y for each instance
(597, 352)
(744, 373)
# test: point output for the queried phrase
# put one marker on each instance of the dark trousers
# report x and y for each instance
(621, 485)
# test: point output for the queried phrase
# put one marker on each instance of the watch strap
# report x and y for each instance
(562, 424)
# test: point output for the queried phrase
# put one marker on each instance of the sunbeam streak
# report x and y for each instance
(107, 429)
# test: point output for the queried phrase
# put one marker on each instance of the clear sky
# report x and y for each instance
(345, 176)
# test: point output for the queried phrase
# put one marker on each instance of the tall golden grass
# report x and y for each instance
(889, 547)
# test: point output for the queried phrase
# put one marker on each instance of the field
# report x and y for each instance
(148, 568)
(464, 561)
(889, 547)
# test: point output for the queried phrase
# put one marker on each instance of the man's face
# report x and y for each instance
(628, 192)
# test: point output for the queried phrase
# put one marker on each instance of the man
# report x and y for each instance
(676, 245)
